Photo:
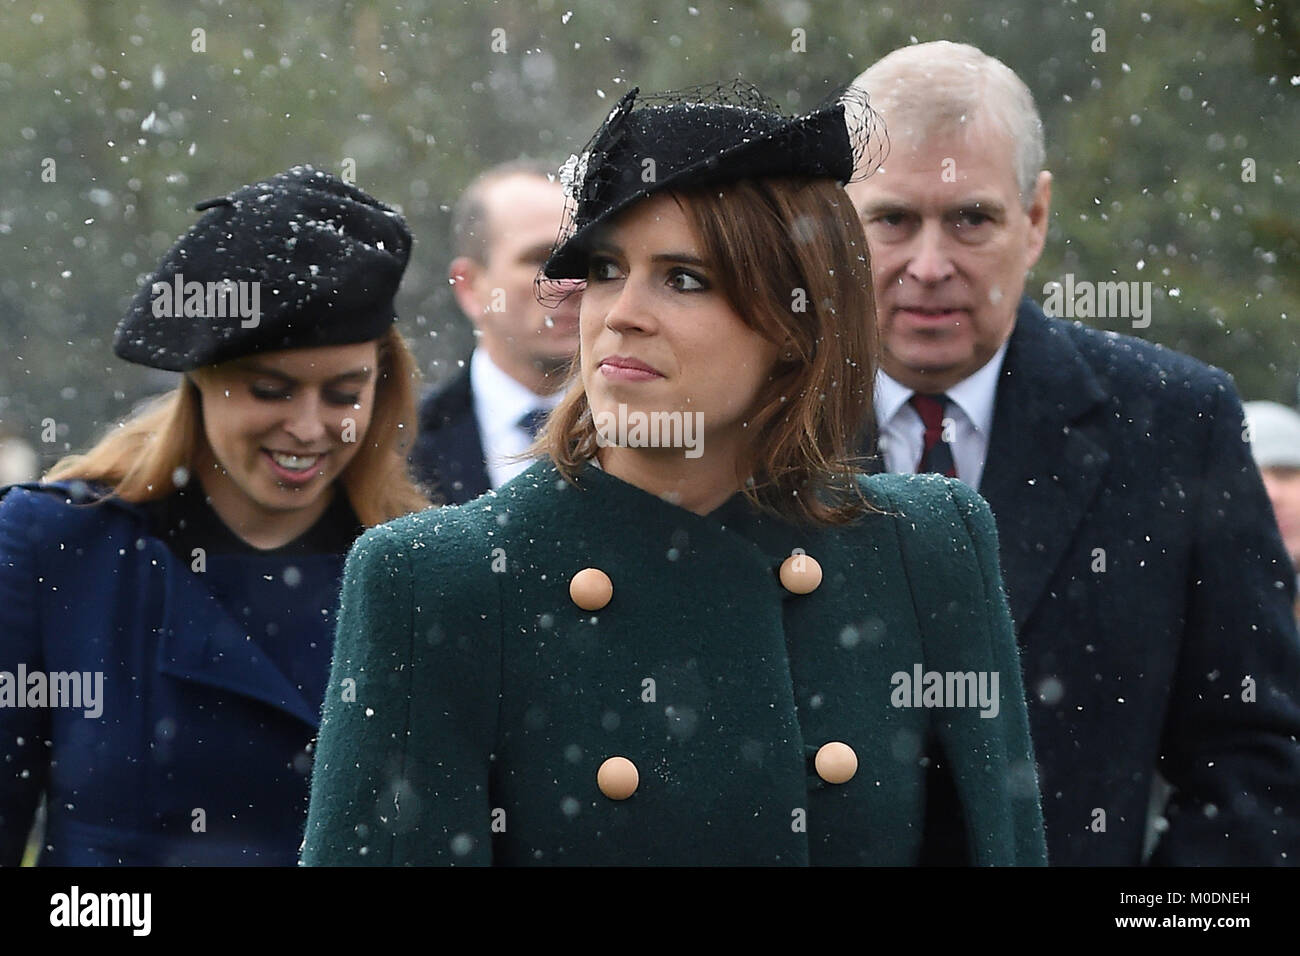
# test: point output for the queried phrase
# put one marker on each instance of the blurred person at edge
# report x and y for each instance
(187, 567)
(475, 428)
(775, 598)
(1274, 434)
(1148, 584)
(18, 460)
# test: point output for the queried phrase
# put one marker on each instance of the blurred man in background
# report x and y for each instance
(1274, 434)
(1145, 574)
(504, 226)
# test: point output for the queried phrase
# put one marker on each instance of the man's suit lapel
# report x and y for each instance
(448, 452)
(1043, 469)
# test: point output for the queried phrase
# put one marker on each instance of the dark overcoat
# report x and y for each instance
(447, 457)
(472, 703)
(1152, 597)
(199, 754)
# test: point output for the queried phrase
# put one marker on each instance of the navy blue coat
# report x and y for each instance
(200, 754)
(1152, 600)
(448, 458)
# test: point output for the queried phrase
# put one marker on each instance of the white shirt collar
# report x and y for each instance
(975, 395)
(891, 396)
(499, 400)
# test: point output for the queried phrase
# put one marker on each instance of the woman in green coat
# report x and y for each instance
(691, 633)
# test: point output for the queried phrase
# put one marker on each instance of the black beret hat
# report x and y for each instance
(299, 260)
(700, 137)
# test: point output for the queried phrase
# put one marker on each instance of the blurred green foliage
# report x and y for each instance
(1146, 141)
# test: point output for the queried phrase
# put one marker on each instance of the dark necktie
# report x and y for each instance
(533, 421)
(936, 455)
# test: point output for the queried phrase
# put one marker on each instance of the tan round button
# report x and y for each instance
(617, 778)
(800, 574)
(591, 589)
(836, 762)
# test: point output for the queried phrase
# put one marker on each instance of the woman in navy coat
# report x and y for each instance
(692, 634)
(167, 599)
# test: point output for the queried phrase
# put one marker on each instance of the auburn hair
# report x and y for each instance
(790, 256)
(140, 458)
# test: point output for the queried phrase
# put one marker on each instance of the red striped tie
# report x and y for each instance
(936, 455)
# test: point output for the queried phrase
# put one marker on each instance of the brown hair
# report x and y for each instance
(791, 258)
(139, 457)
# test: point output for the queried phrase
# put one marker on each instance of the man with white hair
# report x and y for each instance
(1274, 432)
(1145, 574)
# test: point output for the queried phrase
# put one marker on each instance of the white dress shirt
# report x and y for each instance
(499, 403)
(970, 410)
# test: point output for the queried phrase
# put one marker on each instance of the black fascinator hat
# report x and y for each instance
(704, 136)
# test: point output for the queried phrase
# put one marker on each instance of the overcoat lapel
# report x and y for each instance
(1043, 469)
(449, 448)
(199, 641)
(202, 643)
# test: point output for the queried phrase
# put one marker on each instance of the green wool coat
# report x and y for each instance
(471, 702)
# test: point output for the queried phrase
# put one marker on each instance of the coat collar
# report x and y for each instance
(199, 641)
(1043, 468)
(448, 400)
(591, 475)
(202, 643)
(448, 447)
(754, 535)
